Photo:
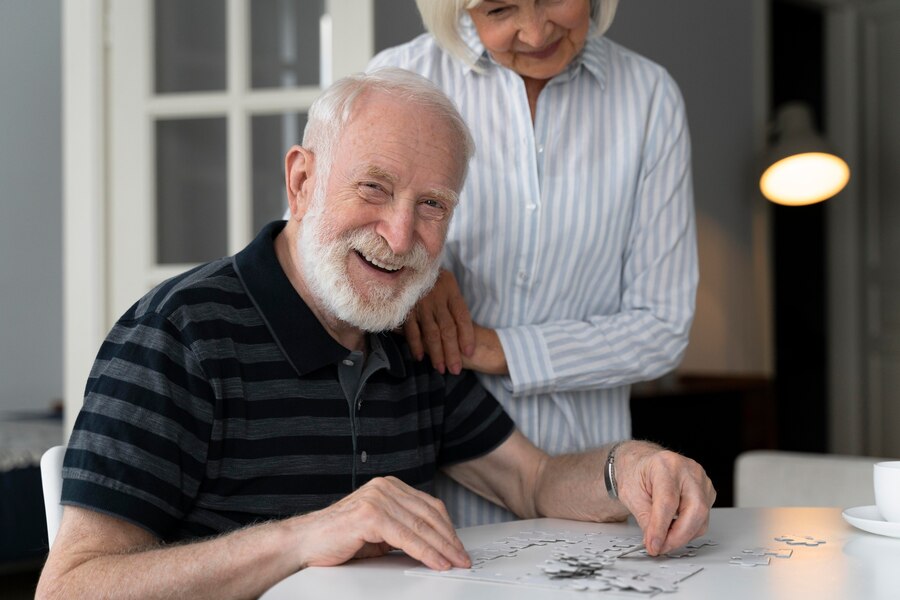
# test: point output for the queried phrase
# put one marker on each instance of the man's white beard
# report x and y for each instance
(324, 258)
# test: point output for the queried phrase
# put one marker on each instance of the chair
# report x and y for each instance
(767, 478)
(51, 482)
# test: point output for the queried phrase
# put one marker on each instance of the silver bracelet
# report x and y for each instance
(609, 472)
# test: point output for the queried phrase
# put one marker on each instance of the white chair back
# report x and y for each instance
(51, 481)
(766, 478)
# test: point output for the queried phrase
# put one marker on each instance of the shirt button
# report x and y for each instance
(531, 206)
(523, 276)
(364, 457)
(348, 362)
(540, 149)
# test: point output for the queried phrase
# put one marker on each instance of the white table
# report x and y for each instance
(851, 564)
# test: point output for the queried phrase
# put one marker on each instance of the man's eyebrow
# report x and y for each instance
(448, 196)
(379, 173)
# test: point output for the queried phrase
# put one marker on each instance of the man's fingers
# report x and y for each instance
(691, 523)
(432, 510)
(434, 552)
(697, 496)
(663, 511)
(416, 523)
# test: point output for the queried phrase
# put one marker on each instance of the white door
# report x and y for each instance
(177, 115)
(206, 97)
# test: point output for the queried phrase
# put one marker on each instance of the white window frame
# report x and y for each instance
(108, 112)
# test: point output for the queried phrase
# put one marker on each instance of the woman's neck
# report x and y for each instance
(533, 89)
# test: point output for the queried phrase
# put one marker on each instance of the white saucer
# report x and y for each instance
(868, 519)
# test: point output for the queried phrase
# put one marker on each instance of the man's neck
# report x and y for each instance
(346, 335)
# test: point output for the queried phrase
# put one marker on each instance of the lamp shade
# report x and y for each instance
(800, 167)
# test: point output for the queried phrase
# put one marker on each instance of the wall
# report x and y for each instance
(714, 52)
(30, 205)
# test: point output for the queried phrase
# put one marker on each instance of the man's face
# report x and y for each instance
(371, 239)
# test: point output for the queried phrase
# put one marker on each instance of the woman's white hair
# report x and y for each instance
(333, 109)
(441, 19)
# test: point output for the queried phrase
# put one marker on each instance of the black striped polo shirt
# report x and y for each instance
(215, 403)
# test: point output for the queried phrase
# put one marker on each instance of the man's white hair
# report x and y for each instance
(333, 109)
(441, 19)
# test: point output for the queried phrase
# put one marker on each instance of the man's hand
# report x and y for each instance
(441, 326)
(383, 514)
(668, 494)
(654, 485)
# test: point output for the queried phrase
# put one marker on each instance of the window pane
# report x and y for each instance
(284, 39)
(396, 22)
(189, 42)
(191, 190)
(272, 136)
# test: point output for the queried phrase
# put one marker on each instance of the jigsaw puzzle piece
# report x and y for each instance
(799, 540)
(750, 561)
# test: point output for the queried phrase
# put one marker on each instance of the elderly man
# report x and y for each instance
(250, 417)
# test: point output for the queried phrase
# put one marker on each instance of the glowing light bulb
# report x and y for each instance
(804, 178)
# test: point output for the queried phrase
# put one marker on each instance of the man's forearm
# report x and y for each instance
(99, 556)
(242, 564)
(570, 486)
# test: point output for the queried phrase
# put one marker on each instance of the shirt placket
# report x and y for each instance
(532, 147)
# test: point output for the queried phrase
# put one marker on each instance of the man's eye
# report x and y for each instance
(372, 190)
(432, 210)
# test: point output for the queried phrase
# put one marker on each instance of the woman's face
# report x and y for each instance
(534, 38)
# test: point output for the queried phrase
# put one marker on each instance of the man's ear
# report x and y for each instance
(299, 180)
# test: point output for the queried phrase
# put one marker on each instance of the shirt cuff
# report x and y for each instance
(528, 359)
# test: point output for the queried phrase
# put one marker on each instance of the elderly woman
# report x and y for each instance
(570, 263)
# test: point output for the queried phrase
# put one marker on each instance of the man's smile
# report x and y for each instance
(377, 264)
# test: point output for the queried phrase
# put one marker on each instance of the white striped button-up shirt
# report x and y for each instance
(574, 238)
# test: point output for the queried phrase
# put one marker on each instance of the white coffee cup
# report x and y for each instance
(887, 490)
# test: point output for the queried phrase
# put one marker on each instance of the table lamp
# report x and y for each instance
(800, 168)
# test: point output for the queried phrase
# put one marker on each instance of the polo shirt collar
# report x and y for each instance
(306, 344)
(595, 62)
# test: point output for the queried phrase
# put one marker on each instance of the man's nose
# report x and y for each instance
(398, 227)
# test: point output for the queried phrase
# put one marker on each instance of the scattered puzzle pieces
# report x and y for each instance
(579, 561)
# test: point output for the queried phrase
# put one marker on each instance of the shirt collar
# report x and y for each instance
(594, 56)
(299, 334)
(469, 36)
